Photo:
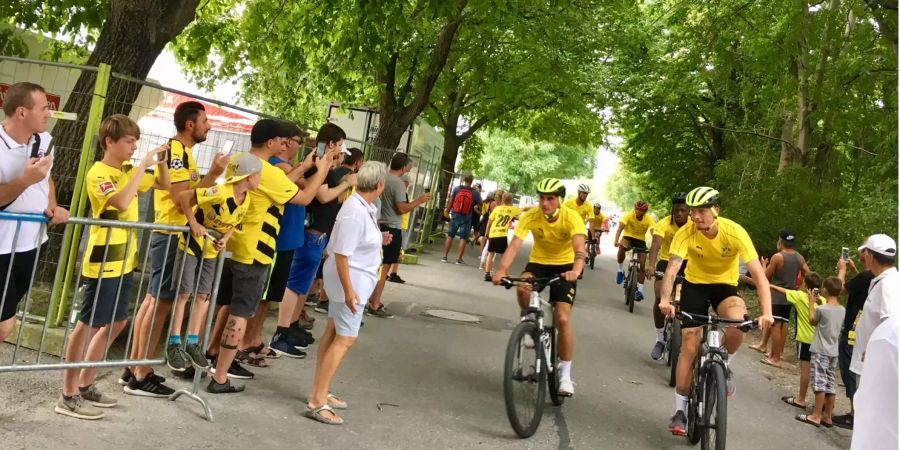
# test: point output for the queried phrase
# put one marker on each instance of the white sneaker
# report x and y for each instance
(566, 388)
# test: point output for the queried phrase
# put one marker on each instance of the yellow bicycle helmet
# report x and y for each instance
(703, 196)
(551, 186)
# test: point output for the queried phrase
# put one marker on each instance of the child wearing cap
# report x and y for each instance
(220, 208)
(828, 319)
(805, 331)
(112, 185)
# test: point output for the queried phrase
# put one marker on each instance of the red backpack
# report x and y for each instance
(463, 201)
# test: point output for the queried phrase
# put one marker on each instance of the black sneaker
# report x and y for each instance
(226, 388)
(444, 259)
(148, 388)
(487, 277)
(322, 307)
(395, 278)
(300, 339)
(844, 421)
(283, 346)
(381, 312)
(236, 371)
(460, 262)
(176, 359)
(196, 356)
(312, 300)
(156, 378)
(127, 375)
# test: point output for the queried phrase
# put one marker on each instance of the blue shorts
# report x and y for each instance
(105, 301)
(163, 252)
(460, 224)
(306, 263)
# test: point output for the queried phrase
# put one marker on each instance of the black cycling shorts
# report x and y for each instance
(698, 298)
(498, 245)
(635, 243)
(662, 265)
(562, 291)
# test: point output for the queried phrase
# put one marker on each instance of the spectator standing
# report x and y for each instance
(828, 319)
(876, 400)
(878, 254)
(25, 187)
(393, 206)
(350, 276)
(463, 201)
(857, 290)
(805, 332)
(394, 276)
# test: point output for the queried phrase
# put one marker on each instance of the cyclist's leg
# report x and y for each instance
(659, 320)
(693, 300)
(523, 291)
(624, 246)
(732, 307)
(642, 260)
(562, 294)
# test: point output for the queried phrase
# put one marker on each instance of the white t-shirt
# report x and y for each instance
(875, 404)
(34, 199)
(882, 302)
(357, 236)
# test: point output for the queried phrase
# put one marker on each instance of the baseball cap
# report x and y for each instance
(266, 129)
(242, 166)
(880, 243)
(788, 237)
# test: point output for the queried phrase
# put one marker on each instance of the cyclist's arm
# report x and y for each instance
(578, 242)
(619, 230)
(762, 286)
(669, 278)
(654, 252)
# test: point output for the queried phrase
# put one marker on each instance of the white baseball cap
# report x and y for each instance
(880, 243)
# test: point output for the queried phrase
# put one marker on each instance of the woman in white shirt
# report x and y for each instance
(349, 277)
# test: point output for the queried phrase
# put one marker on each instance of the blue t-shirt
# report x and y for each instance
(292, 229)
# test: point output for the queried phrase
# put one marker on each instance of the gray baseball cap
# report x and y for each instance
(242, 166)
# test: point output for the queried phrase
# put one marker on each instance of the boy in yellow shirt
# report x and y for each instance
(112, 185)
(498, 229)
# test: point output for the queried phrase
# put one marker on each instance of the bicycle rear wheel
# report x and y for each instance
(592, 254)
(632, 287)
(694, 406)
(523, 380)
(715, 410)
(674, 349)
(553, 374)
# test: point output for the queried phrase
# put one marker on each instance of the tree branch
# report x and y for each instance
(752, 133)
(437, 112)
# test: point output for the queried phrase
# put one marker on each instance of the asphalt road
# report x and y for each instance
(445, 378)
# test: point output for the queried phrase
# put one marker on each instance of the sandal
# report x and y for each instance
(791, 400)
(265, 352)
(805, 419)
(316, 414)
(769, 362)
(336, 403)
(252, 359)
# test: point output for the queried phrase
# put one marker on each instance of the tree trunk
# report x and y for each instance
(452, 143)
(885, 14)
(787, 150)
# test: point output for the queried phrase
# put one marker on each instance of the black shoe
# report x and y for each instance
(844, 421)
(176, 358)
(395, 278)
(148, 387)
(188, 374)
(487, 277)
(196, 357)
(127, 375)
(226, 388)
(283, 346)
(236, 371)
(322, 307)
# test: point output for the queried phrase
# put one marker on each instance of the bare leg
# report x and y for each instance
(566, 336)
(146, 305)
(6, 328)
(489, 262)
(764, 343)
(80, 336)
(816, 415)
(462, 248)
(523, 291)
(394, 268)
(447, 244)
(178, 318)
(732, 308)
(828, 413)
(375, 302)
(222, 313)
(690, 346)
(100, 342)
(158, 317)
(253, 336)
(231, 338)
(779, 335)
(288, 308)
(198, 315)
(804, 383)
(327, 365)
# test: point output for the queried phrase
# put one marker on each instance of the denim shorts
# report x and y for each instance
(105, 301)
(306, 263)
(460, 225)
(163, 253)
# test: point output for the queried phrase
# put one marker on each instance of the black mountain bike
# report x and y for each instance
(673, 331)
(633, 277)
(592, 252)
(707, 415)
(531, 359)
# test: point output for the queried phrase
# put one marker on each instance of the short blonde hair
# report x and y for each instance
(370, 174)
(116, 127)
(507, 198)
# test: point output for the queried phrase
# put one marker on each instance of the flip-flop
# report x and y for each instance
(768, 362)
(334, 402)
(805, 419)
(791, 400)
(316, 414)
(761, 350)
(827, 425)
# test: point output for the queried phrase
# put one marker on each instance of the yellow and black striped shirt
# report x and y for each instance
(216, 209)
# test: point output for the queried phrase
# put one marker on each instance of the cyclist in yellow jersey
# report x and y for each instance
(598, 223)
(663, 233)
(632, 231)
(559, 249)
(220, 208)
(713, 245)
(498, 230)
(192, 127)
(112, 185)
(253, 247)
(580, 205)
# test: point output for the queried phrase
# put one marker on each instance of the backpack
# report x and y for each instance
(463, 201)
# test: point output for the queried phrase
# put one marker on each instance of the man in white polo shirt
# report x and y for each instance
(25, 187)
(879, 255)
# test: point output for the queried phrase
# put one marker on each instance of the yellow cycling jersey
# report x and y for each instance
(597, 221)
(713, 261)
(216, 209)
(500, 219)
(586, 210)
(552, 241)
(666, 229)
(634, 228)
(102, 183)
(253, 241)
(182, 168)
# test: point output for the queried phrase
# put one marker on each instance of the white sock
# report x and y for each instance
(641, 288)
(484, 254)
(661, 334)
(681, 402)
(621, 267)
(565, 370)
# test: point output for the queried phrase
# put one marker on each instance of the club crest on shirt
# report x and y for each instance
(212, 191)
(107, 187)
(195, 176)
(726, 250)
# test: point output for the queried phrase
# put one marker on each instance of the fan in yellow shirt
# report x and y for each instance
(498, 229)
(633, 226)
(559, 249)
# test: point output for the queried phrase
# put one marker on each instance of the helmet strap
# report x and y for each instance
(552, 216)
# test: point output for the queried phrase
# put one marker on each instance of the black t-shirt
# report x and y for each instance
(857, 291)
(323, 215)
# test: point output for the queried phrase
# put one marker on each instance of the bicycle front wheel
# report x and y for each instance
(632, 288)
(715, 410)
(674, 349)
(553, 373)
(523, 379)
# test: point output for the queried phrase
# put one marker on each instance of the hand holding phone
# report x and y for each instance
(320, 149)
(845, 253)
(226, 149)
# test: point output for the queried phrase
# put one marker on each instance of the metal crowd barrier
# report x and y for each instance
(24, 317)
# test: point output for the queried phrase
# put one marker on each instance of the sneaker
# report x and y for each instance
(658, 348)
(96, 398)
(188, 374)
(148, 388)
(322, 307)
(282, 346)
(176, 359)
(566, 388)
(196, 356)
(127, 375)
(729, 383)
(620, 277)
(299, 338)
(156, 378)
(75, 406)
(444, 259)
(638, 296)
(487, 277)
(395, 278)
(678, 425)
(225, 388)
(460, 262)
(844, 421)
(312, 300)
(381, 312)
(236, 371)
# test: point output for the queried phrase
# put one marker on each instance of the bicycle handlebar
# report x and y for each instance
(509, 282)
(746, 324)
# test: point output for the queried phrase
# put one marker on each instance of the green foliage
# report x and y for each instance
(520, 163)
(472, 154)
(72, 25)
